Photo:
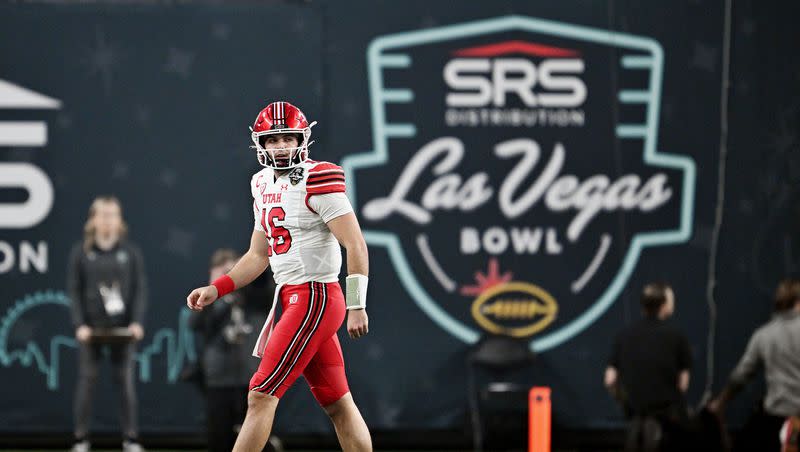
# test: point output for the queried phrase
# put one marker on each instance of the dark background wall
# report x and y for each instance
(155, 101)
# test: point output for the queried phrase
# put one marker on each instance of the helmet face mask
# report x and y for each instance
(289, 156)
(281, 118)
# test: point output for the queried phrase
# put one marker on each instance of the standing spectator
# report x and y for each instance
(106, 282)
(775, 347)
(228, 331)
(649, 372)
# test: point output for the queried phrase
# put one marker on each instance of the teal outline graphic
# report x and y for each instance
(178, 345)
(645, 54)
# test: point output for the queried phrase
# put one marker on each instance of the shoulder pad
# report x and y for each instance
(325, 177)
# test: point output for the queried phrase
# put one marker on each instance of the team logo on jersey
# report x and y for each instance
(260, 184)
(293, 299)
(511, 201)
(296, 175)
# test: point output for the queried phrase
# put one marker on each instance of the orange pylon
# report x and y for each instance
(539, 419)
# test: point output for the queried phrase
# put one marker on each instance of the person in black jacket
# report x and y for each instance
(107, 285)
(227, 332)
(648, 372)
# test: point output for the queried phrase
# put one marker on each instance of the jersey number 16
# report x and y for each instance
(280, 238)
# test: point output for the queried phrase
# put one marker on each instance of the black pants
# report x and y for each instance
(90, 356)
(225, 411)
(665, 429)
(760, 433)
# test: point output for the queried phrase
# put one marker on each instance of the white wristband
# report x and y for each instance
(356, 291)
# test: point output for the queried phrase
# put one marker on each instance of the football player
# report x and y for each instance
(301, 215)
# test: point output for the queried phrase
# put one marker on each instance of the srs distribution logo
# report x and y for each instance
(515, 179)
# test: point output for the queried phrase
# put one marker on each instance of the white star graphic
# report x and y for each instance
(179, 62)
(179, 242)
(142, 114)
(220, 31)
(120, 170)
(168, 177)
(277, 80)
(102, 60)
(222, 211)
(704, 57)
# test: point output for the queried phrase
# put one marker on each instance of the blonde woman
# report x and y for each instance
(106, 282)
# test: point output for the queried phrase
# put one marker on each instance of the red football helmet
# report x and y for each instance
(281, 117)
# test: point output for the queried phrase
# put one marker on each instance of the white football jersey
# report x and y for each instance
(293, 210)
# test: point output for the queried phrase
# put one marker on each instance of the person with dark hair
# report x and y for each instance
(227, 331)
(775, 347)
(648, 372)
(107, 286)
(301, 219)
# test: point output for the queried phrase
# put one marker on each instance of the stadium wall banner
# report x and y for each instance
(519, 171)
(513, 144)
